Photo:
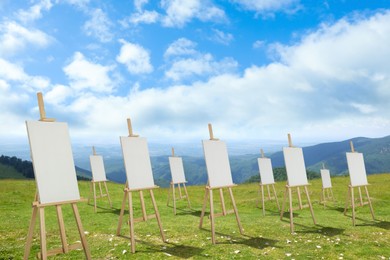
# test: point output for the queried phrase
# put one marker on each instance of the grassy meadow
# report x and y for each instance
(333, 237)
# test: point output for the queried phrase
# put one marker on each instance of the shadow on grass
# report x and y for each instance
(186, 211)
(287, 215)
(326, 231)
(375, 223)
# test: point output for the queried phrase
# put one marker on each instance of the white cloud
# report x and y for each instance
(34, 12)
(139, 4)
(135, 57)
(258, 44)
(99, 26)
(178, 12)
(266, 7)
(222, 37)
(15, 38)
(147, 17)
(85, 75)
(181, 46)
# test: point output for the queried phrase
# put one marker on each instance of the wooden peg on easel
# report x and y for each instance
(262, 153)
(173, 152)
(323, 166)
(352, 148)
(289, 141)
(93, 150)
(130, 128)
(42, 112)
(211, 133)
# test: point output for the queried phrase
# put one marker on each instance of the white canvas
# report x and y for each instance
(265, 169)
(295, 166)
(52, 158)
(137, 162)
(97, 168)
(217, 163)
(325, 176)
(357, 169)
(177, 170)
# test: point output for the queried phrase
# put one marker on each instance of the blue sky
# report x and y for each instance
(255, 69)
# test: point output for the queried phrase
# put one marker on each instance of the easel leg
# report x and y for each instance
(100, 188)
(360, 196)
(30, 233)
(331, 193)
(291, 211)
(353, 206)
(157, 216)
(42, 233)
(276, 197)
(269, 194)
(65, 248)
(180, 195)
(169, 193)
(141, 198)
(94, 196)
(108, 195)
(81, 231)
(262, 199)
(347, 201)
(222, 202)
(258, 196)
(369, 203)
(235, 211)
(203, 208)
(212, 216)
(299, 198)
(284, 203)
(188, 198)
(118, 230)
(311, 207)
(131, 223)
(90, 193)
(174, 198)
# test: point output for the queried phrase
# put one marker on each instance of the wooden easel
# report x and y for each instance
(351, 197)
(261, 190)
(327, 192)
(128, 195)
(172, 189)
(93, 188)
(39, 207)
(289, 192)
(209, 195)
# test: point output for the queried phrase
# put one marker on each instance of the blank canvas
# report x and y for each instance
(137, 162)
(357, 169)
(97, 168)
(217, 163)
(295, 166)
(177, 170)
(325, 177)
(265, 169)
(52, 158)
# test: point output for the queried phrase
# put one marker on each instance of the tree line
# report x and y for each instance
(22, 166)
(280, 174)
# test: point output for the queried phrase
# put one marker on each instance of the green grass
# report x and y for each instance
(333, 237)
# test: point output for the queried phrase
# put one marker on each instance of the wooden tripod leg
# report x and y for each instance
(188, 198)
(141, 198)
(262, 199)
(222, 202)
(331, 193)
(30, 233)
(169, 193)
(157, 216)
(276, 197)
(369, 203)
(258, 196)
(360, 197)
(94, 196)
(212, 216)
(81, 231)
(118, 230)
(174, 198)
(235, 211)
(65, 247)
(353, 206)
(204, 207)
(108, 195)
(269, 194)
(299, 198)
(180, 195)
(347, 201)
(42, 233)
(310, 206)
(131, 222)
(291, 211)
(100, 188)
(284, 203)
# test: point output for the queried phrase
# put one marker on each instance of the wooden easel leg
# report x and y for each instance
(269, 194)
(262, 199)
(30, 233)
(369, 203)
(169, 193)
(188, 198)
(212, 216)
(157, 216)
(204, 207)
(258, 196)
(276, 197)
(94, 196)
(65, 247)
(141, 198)
(310, 206)
(235, 211)
(100, 188)
(42, 233)
(90, 193)
(360, 197)
(118, 230)
(331, 194)
(108, 195)
(174, 198)
(291, 211)
(323, 197)
(180, 195)
(299, 198)
(284, 203)
(353, 206)
(131, 223)
(81, 231)
(222, 202)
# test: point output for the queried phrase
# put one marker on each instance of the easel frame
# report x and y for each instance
(261, 191)
(289, 192)
(93, 188)
(326, 192)
(128, 196)
(209, 197)
(39, 209)
(351, 197)
(172, 190)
